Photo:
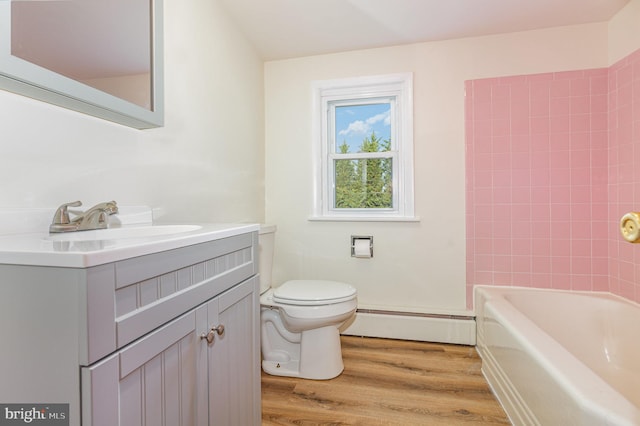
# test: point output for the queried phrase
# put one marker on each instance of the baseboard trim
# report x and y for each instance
(456, 329)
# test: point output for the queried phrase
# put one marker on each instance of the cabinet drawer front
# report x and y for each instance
(139, 269)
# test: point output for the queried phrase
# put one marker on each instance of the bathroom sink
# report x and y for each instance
(125, 232)
(25, 240)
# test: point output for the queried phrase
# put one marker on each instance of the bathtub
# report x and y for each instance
(559, 357)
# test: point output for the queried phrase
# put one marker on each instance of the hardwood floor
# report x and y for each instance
(388, 382)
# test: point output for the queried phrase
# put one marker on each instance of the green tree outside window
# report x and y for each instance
(364, 183)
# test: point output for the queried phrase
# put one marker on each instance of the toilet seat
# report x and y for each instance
(313, 292)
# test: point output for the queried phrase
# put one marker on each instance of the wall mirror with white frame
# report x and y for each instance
(103, 58)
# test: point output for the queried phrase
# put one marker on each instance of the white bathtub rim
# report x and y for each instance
(570, 372)
(502, 289)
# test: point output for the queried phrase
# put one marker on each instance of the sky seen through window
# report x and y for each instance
(354, 123)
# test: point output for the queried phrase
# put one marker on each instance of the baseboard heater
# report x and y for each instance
(429, 327)
(416, 314)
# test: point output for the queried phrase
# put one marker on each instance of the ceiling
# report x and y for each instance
(282, 29)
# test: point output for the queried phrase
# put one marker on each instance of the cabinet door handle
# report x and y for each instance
(212, 333)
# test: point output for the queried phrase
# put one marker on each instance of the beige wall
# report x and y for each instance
(205, 164)
(417, 266)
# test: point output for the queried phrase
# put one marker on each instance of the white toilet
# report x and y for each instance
(300, 321)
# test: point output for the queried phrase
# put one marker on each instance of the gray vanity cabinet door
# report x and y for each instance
(234, 357)
(174, 376)
(153, 381)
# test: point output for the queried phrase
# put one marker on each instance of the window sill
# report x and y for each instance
(364, 219)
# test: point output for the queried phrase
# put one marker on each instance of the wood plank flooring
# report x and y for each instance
(388, 382)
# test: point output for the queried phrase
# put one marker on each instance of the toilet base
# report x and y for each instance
(320, 356)
(276, 368)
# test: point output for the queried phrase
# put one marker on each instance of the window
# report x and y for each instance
(363, 130)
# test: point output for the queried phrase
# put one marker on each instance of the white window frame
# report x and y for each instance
(326, 94)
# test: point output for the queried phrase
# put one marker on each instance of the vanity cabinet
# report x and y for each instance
(175, 376)
(167, 338)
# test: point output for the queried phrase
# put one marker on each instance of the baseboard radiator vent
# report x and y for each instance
(442, 328)
(416, 314)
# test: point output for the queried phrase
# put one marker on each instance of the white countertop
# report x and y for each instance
(39, 249)
(25, 237)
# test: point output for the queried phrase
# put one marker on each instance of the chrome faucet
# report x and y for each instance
(94, 218)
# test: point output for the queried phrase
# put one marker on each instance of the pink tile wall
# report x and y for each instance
(537, 197)
(551, 167)
(624, 172)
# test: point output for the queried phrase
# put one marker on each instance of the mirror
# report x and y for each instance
(103, 58)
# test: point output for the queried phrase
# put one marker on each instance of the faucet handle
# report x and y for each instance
(61, 216)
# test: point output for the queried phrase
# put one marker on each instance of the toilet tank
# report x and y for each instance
(266, 242)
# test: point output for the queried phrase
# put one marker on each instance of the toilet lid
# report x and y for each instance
(313, 292)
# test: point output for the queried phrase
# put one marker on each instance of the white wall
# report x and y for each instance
(205, 164)
(417, 267)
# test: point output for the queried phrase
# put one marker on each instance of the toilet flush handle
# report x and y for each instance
(212, 333)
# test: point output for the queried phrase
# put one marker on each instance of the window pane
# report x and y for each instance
(363, 184)
(363, 128)
(364, 152)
